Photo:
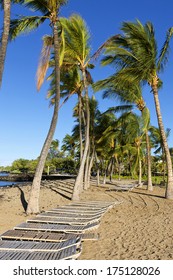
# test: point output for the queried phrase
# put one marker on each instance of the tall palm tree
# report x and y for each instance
(158, 144)
(6, 6)
(71, 83)
(54, 149)
(69, 145)
(137, 59)
(49, 11)
(4, 40)
(129, 93)
(77, 44)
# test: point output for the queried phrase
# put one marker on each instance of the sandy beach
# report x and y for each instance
(139, 228)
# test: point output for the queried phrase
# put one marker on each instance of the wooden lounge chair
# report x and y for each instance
(68, 221)
(83, 207)
(128, 187)
(56, 227)
(38, 246)
(45, 236)
(71, 215)
(78, 212)
(18, 250)
(66, 254)
(37, 236)
(94, 203)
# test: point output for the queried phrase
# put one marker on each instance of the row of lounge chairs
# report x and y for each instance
(54, 235)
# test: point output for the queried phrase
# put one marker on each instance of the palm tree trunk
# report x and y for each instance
(90, 167)
(98, 177)
(104, 178)
(98, 169)
(149, 177)
(169, 188)
(163, 159)
(119, 171)
(79, 179)
(112, 169)
(5, 34)
(140, 173)
(86, 171)
(33, 204)
(80, 127)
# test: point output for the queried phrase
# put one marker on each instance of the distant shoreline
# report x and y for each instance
(13, 179)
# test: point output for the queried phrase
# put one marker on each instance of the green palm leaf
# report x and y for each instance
(24, 25)
(37, 5)
(163, 57)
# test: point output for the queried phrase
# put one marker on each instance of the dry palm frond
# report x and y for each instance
(44, 60)
(100, 49)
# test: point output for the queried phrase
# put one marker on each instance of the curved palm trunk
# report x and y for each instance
(86, 171)
(140, 173)
(80, 126)
(104, 178)
(33, 204)
(112, 169)
(149, 177)
(169, 188)
(80, 177)
(163, 159)
(90, 167)
(98, 169)
(5, 34)
(119, 171)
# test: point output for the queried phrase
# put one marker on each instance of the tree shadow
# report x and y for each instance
(148, 194)
(60, 193)
(136, 192)
(22, 198)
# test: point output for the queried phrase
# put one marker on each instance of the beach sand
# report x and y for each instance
(139, 228)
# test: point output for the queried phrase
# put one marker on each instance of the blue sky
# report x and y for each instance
(25, 114)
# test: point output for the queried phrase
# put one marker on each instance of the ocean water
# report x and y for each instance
(6, 183)
(4, 174)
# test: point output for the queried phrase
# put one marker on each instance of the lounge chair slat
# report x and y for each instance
(68, 253)
(37, 246)
(67, 216)
(54, 220)
(37, 236)
(55, 227)
(50, 227)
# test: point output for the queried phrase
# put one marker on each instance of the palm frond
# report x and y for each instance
(103, 46)
(145, 118)
(24, 25)
(44, 60)
(77, 39)
(37, 5)
(163, 57)
(121, 108)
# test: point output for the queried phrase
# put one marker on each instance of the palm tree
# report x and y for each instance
(6, 5)
(158, 144)
(71, 83)
(127, 92)
(69, 145)
(124, 137)
(4, 40)
(49, 11)
(77, 46)
(54, 149)
(135, 55)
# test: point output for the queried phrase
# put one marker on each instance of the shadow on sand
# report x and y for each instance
(138, 192)
(60, 193)
(22, 198)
